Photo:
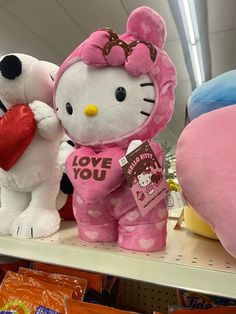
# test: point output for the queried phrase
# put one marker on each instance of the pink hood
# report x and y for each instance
(145, 36)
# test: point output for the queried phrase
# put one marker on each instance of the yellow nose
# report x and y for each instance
(91, 110)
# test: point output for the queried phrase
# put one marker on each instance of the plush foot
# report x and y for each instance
(7, 217)
(36, 223)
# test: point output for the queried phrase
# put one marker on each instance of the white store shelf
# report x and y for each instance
(189, 261)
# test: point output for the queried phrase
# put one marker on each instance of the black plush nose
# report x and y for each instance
(10, 67)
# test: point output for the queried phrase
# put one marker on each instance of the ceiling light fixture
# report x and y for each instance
(189, 18)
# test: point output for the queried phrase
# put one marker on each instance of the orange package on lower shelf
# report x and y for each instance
(35, 292)
(78, 285)
(14, 305)
(9, 304)
(95, 281)
(213, 310)
(78, 307)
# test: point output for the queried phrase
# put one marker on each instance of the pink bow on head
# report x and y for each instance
(105, 48)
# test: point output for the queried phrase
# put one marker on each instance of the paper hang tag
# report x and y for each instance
(145, 177)
(179, 221)
(175, 200)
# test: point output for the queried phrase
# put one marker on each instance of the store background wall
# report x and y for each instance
(51, 29)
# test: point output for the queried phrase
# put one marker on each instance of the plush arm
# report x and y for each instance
(48, 125)
(64, 152)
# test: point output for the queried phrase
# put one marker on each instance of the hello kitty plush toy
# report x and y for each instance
(29, 143)
(111, 90)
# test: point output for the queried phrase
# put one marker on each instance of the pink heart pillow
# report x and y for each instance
(206, 162)
(95, 175)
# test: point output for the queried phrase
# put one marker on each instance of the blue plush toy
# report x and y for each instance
(214, 94)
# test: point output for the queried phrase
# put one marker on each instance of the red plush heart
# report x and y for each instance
(95, 175)
(17, 129)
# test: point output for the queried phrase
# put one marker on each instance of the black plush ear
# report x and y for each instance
(71, 143)
(11, 67)
(2, 107)
(66, 186)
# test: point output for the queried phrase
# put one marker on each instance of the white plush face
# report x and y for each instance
(24, 79)
(122, 102)
(144, 179)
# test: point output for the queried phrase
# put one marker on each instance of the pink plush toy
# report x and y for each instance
(111, 90)
(206, 171)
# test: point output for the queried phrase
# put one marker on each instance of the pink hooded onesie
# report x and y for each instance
(111, 90)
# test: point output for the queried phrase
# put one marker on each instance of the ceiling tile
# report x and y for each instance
(162, 7)
(175, 51)
(50, 22)
(223, 52)
(221, 15)
(4, 51)
(182, 93)
(15, 37)
(90, 14)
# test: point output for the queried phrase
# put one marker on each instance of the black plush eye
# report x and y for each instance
(120, 94)
(69, 108)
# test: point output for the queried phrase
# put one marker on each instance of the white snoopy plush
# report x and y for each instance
(30, 187)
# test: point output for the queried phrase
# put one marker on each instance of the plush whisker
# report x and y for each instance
(146, 84)
(145, 113)
(149, 100)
